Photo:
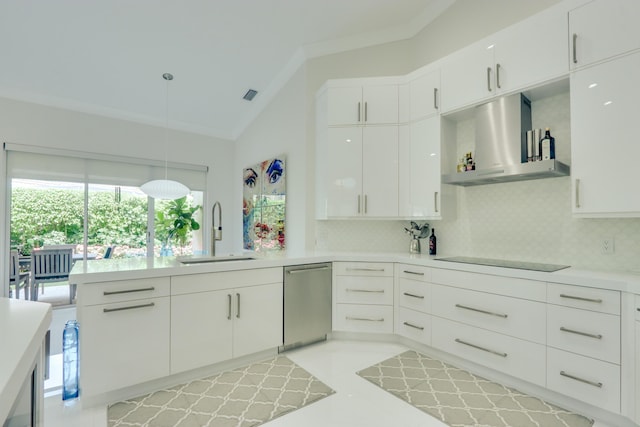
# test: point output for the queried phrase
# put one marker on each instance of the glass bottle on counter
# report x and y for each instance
(548, 146)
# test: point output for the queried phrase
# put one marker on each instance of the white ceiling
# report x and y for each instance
(107, 57)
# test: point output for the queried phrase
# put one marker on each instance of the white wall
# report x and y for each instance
(33, 124)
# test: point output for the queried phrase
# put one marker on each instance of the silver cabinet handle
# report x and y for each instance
(129, 291)
(435, 201)
(359, 112)
(365, 319)
(131, 307)
(358, 204)
(371, 291)
(421, 328)
(491, 313)
(365, 203)
(489, 79)
(364, 269)
(435, 98)
(584, 334)
(582, 380)
(302, 270)
(366, 115)
(238, 306)
(229, 307)
(577, 192)
(413, 272)
(497, 353)
(595, 300)
(498, 76)
(575, 49)
(413, 295)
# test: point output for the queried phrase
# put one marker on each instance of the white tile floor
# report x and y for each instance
(356, 403)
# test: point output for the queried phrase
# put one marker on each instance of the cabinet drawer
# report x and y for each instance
(637, 307)
(363, 318)
(584, 332)
(511, 316)
(592, 381)
(519, 358)
(509, 286)
(414, 325)
(413, 272)
(364, 290)
(415, 295)
(192, 283)
(602, 300)
(124, 290)
(363, 269)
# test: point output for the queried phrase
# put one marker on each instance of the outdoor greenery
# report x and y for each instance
(55, 216)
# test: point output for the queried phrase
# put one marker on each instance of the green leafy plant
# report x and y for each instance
(175, 220)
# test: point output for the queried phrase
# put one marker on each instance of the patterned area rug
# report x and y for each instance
(461, 399)
(243, 397)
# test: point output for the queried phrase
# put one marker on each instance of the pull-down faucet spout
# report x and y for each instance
(216, 232)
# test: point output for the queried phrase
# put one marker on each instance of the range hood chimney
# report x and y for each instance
(501, 146)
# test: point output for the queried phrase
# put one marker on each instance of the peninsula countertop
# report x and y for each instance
(136, 268)
(24, 325)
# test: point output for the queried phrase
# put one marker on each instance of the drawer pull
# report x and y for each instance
(582, 380)
(131, 307)
(229, 307)
(413, 272)
(364, 269)
(365, 319)
(413, 326)
(413, 295)
(597, 301)
(369, 291)
(491, 313)
(584, 334)
(129, 291)
(497, 353)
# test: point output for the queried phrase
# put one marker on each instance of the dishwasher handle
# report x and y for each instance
(324, 267)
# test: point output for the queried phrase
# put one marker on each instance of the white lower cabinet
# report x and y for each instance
(414, 325)
(209, 326)
(516, 357)
(126, 342)
(637, 397)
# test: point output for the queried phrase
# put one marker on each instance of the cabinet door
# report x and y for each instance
(344, 171)
(468, 76)
(532, 51)
(344, 105)
(424, 95)
(638, 371)
(201, 329)
(602, 29)
(380, 104)
(257, 319)
(380, 171)
(603, 151)
(419, 179)
(124, 344)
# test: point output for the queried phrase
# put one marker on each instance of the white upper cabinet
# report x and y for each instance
(604, 140)
(361, 104)
(424, 95)
(525, 54)
(603, 28)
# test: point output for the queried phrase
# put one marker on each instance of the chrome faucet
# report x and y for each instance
(216, 232)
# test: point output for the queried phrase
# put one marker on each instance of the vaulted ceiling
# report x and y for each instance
(107, 57)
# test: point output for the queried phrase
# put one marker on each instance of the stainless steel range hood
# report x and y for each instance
(501, 146)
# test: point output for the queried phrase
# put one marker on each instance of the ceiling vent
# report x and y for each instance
(250, 95)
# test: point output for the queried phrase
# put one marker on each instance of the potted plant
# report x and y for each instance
(175, 221)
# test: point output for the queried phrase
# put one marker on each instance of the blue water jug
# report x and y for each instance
(70, 387)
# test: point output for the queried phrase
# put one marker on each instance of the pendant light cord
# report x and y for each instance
(168, 77)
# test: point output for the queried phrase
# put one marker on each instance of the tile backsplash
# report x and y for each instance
(526, 220)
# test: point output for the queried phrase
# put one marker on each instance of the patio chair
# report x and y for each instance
(18, 279)
(49, 265)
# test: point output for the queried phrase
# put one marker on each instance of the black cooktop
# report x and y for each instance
(522, 265)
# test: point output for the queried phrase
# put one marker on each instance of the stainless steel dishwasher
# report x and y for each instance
(307, 304)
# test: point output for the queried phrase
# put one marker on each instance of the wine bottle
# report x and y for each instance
(548, 146)
(432, 242)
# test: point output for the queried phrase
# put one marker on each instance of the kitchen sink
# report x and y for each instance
(202, 259)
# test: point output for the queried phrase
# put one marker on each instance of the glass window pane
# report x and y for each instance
(178, 226)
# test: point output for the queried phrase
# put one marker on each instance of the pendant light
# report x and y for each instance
(165, 188)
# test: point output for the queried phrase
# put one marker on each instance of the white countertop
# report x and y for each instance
(24, 325)
(137, 268)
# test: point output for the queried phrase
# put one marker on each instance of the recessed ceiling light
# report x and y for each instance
(250, 94)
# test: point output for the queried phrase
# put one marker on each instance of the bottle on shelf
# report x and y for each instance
(432, 242)
(547, 146)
